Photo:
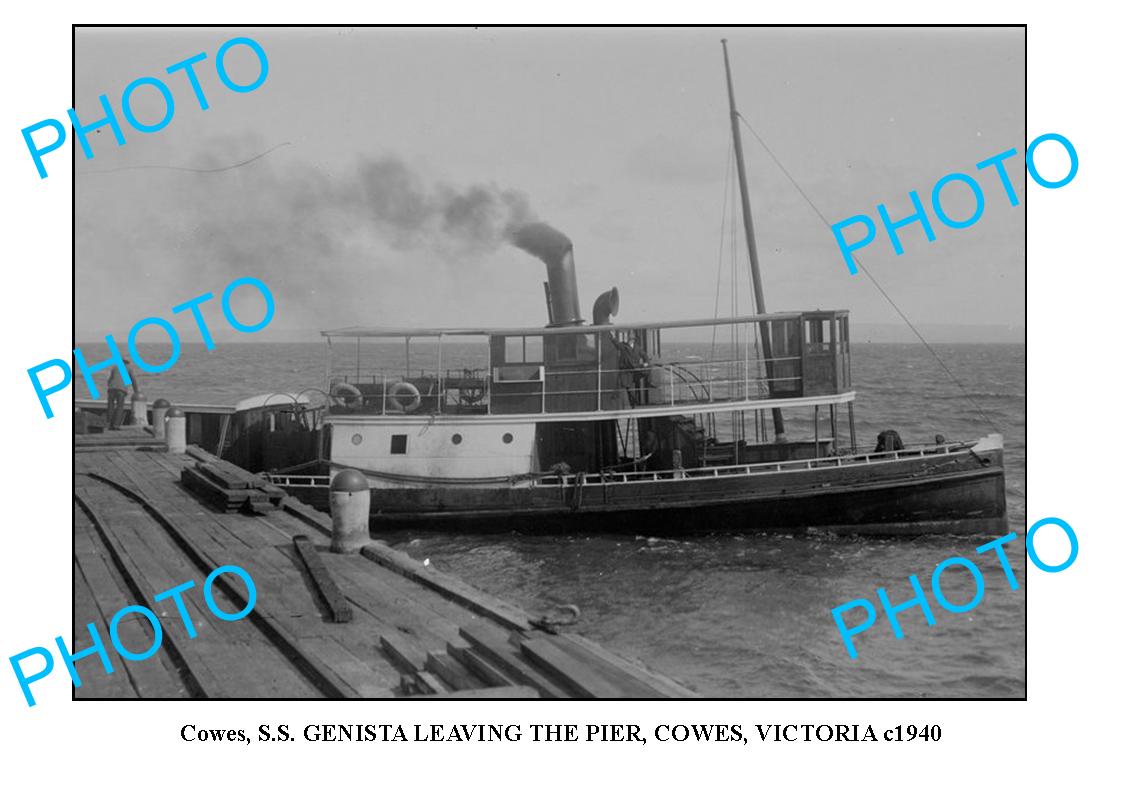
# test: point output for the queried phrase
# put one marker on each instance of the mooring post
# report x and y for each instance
(350, 511)
(140, 410)
(175, 430)
(160, 408)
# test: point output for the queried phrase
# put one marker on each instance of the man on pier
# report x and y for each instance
(115, 387)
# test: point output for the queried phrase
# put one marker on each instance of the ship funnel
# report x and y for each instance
(606, 305)
(556, 250)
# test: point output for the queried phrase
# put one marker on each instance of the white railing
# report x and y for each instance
(728, 470)
(723, 471)
(680, 384)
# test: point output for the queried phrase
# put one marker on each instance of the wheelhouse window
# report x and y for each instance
(523, 350)
(575, 348)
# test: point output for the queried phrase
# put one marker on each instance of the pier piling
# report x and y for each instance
(350, 512)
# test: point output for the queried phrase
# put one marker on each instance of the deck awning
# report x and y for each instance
(488, 331)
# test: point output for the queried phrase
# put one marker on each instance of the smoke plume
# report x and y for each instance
(332, 242)
(478, 217)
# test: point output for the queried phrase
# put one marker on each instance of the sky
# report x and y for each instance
(397, 158)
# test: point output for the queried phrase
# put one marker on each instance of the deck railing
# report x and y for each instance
(620, 475)
(679, 383)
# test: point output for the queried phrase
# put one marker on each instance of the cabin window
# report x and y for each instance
(576, 348)
(398, 443)
(819, 332)
(522, 349)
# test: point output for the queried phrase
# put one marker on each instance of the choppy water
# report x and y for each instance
(747, 616)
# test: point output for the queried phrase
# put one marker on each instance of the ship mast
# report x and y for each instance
(754, 265)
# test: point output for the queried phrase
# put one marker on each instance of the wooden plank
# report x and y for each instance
(623, 678)
(447, 586)
(274, 574)
(577, 677)
(492, 646)
(473, 662)
(660, 682)
(397, 602)
(96, 683)
(402, 652)
(302, 662)
(431, 684)
(506, 692)
(222, 476)
(368, 682)
(212, 493)
(94, 580)
(328, 589)
(192, 651)
(451, 671)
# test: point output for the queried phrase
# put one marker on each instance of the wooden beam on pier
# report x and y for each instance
(327, 588)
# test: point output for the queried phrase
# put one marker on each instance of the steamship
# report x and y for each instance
(653, 428)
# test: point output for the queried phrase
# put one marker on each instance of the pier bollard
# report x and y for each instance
(81, 424)
(175, 430)
(350, 512)
(160, 408)
(140, 410)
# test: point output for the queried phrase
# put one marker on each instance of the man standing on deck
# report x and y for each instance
(115, 387)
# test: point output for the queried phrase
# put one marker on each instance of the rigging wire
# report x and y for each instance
(721, 240)
(872, 279)
(185, 168)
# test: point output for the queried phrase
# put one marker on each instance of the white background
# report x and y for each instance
(1063, 737)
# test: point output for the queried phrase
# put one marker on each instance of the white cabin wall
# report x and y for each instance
(430, 450)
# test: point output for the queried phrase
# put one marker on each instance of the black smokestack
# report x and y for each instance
(556, 250)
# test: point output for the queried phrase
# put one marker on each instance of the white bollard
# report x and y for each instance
(160, 408)
(175, 430)
(140, 410)
(350, 511)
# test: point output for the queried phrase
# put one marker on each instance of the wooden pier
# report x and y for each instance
(371, 625)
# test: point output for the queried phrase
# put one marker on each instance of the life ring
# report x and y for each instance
(404, 397)
(344, 394)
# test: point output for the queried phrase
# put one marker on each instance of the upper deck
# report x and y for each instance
(603, 370)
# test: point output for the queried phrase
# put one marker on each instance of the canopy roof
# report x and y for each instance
(390, 331)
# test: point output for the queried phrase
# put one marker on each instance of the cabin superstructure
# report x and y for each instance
(489, 402)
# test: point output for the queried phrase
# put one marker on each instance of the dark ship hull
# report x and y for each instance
(905, 493)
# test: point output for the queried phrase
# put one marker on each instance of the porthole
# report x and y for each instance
(457, 439)
(508, 439)
(357, 439)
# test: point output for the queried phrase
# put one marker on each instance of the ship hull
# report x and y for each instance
(907, 497)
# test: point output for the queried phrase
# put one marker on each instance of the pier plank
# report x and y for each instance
(452, 671)
(447, 586)
(98, 596)
(327, 587)
(493, 645)
(274, 582)
(226, 658)
(431, 684)
(578, 677)
(193, 651)
(473, 662)
(405, 653)
(663, 685)
(96, 683)
(506, 692)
